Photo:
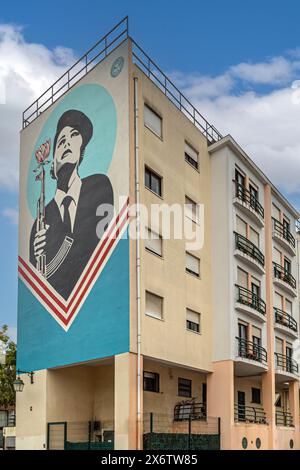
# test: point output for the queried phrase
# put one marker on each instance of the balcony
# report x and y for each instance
(249, 253)
(250, 303)
(251, 358)
(285, 322)
(285, 366)
(284, 279)
(249, 414)
(249, 204)
(284, 418)
(189, 409)
(284, 237)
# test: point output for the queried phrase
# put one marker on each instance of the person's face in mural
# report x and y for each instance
(68, 148)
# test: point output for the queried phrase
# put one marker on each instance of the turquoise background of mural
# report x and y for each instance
(101, 328)
(95, 101)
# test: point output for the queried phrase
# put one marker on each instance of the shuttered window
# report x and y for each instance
(191, 209)
(184, 387)
(254, 237)
(153, 121)
(242, 278)
(192, 264)
(277, 256)
(153, 242)
(192, 320)
(241, 227)
(154, 305)
(278, 300)
(191, 156)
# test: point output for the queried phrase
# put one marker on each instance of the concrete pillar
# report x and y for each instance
(31, 413)
(126, 429)
(294, 407)
(220, 398)
(268, 378)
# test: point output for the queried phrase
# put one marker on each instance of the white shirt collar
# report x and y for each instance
(73, 191)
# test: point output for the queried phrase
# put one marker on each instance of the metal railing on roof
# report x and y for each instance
(99, 52)
(149, 67)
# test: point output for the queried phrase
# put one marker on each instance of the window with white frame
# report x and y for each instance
(192, 320)
(153, 242)
(153, 121)
(192, 264)
(190, 155)
(191, 209)
(154, 305)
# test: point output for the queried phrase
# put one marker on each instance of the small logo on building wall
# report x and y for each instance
(117, 67)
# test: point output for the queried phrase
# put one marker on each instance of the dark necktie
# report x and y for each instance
(67, 219)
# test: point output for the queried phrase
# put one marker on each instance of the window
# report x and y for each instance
(255, 286)
(289, 307)
(192, 320)
(190, 155)
(277, 256)
(275, 212)
(242, 278)
(278, 300)
(184, 387)
(255, 392)
(192, 264)
(154, 305)
(191, 209)
(151, 382)
(278, 346)
(243, 330)
(239, 178)
(153, 181)
(254, 237)
(287, 265)
(241, 227)
(153, 242)
(278, 400)
(253, 192)
(153, 121)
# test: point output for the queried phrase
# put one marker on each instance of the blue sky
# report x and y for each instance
(236, 61)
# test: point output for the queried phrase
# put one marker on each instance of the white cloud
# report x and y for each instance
(26, 70)
(11, 214)
(266, 125)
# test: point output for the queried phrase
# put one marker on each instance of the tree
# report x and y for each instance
(7, 369)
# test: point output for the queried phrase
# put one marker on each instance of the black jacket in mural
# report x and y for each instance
(95, 190)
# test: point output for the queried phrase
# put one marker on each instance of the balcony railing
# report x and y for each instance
(249, 350)
(245, 195)
(189, 409)
(284, 418)
(249, 414)
(283, 231)
(283, 318)
(246, 246)
(247, 297)
(286, 363)
(284, 275)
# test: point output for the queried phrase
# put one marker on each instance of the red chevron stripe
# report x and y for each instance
(84, 290)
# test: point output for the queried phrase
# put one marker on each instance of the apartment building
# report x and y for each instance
(150, 341)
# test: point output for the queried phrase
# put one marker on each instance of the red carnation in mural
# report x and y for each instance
(42, 153)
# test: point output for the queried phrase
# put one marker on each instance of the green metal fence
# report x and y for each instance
(161, 431)
(80, 435)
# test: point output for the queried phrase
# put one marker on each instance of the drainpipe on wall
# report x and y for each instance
(138, 258)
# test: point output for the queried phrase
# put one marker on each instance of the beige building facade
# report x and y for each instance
(213, 326)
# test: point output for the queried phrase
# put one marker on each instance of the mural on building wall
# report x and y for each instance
(73, 248)
(64, 235)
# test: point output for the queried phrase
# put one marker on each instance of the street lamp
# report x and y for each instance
(18, 383)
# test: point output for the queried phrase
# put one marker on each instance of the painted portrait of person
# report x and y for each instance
(70, 233)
